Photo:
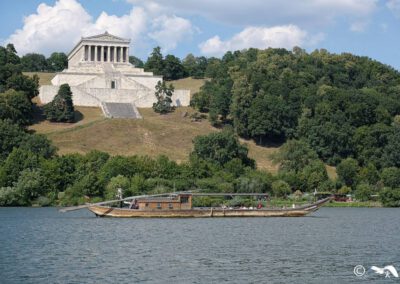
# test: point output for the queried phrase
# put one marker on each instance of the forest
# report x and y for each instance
(321, 108)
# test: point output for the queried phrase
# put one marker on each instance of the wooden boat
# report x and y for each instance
(180, 205)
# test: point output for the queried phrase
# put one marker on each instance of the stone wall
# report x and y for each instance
(71, 79)
(94, 96)
(79, 97)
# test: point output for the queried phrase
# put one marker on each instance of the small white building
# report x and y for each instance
(99, 73)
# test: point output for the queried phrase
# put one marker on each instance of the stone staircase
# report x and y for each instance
(120, 110)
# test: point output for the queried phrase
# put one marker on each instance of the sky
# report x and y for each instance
(207, 27)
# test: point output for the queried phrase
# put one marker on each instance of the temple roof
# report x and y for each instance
(106, 37)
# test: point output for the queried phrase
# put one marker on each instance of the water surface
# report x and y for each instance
(41, 245)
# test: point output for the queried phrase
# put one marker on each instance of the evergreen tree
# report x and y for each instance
(61, 109)
(155, 62)
(163, 95)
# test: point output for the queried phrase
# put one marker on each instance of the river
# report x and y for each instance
(41, 245)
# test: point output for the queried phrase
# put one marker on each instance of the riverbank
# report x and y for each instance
(367, 204)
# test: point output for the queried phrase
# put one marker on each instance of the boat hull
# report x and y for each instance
(105, 211)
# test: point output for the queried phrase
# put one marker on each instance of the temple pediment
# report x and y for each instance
(106, 37)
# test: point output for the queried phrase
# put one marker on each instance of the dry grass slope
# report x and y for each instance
(44, 77)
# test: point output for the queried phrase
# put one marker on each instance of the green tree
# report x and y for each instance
(295, 155)
(33, 62)
(163, 94)
(391, 177)
(57, 61)
(155, 62)
(30, 185)
(363, 192)
(16, 107)
(347, 171)
(116, 183)
(220, 148)
(11, 135)
(16, 162)
(61, 109)
(390, 197)
(281, 188)
(173, 68)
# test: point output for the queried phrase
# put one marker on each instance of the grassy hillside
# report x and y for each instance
(44, 77)
(170, 135)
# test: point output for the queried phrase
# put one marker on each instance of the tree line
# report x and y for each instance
(340, 109)
(170, 66)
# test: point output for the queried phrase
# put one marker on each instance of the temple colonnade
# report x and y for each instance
(106, 53)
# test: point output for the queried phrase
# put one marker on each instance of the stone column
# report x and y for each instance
(101, 53)
(127, 54)
(108, 54)
(95, 53)
(89, 53)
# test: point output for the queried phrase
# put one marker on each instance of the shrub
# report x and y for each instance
(61, 109)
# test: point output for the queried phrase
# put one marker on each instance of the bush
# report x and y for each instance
(61, 109)
(281, 188)
(115, 183)
(363, 192)
(390, 197)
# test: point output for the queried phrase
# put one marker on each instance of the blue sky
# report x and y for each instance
(207, 27)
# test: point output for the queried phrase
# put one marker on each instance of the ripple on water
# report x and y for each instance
(41, 245)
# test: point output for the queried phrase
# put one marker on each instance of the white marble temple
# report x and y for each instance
(99, 71)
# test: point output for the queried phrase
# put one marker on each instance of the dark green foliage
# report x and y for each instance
(347, 171)
(391, 177)
(341, 105)
(34, 62)
(16, 162)
(391, 151)
(163, 94)
(195, 66)
(220, 148)
(61, 109)
(11, 135)
(137, 62)
(38, 144)
(23, 83)
(155, 62)
(390, 197)
(57, 61)
(280, 188)
(363, 192)
(173, 68)
(16, 107)
(295, 155)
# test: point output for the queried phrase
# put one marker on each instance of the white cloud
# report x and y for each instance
(306, 13)
(394, 6)
(260, 37)
(168, 31)
(58, 27)
(51, 28)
